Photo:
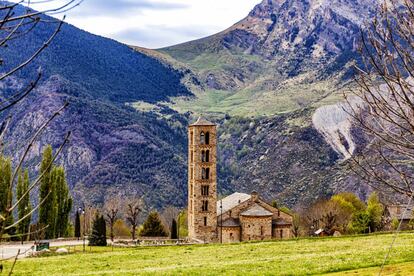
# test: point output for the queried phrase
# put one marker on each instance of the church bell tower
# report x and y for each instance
(202, 181)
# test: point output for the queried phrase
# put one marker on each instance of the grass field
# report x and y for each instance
(360, 255)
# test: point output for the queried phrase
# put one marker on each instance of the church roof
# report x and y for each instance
(230, 222)
(202, 122)
(231, 201)
(256, 211)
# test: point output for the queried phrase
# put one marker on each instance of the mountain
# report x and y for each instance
(281, 70)
(261, 80)
(284, 56)
(114, 147)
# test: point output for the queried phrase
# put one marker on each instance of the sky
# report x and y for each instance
(153, 23)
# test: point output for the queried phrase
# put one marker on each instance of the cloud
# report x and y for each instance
(158, 36)
(154, 23)
(123, 7)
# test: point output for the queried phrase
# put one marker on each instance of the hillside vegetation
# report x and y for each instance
(290, 257)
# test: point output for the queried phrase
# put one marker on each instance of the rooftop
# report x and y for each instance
(231, 201)
(230, 222)
(256, 211)
(203, 122)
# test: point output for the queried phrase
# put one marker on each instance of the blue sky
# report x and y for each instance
(154, 23)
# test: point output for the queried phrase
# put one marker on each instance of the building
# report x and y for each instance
(401, 213)
(238, 217)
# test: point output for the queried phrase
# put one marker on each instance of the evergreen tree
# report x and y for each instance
(153, 227)
(174, 229)
(77, 225)
(63, 202)
(24, 206)
(6, 193)
(98, 236)
(47, 210)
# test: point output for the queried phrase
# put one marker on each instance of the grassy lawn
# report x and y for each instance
(292, 257)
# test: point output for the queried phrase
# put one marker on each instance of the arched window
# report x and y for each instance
(203, 173)
(207, 138)
(204, 206)
(202, 138)
(191, 138)
(203, 156)
(207, 159)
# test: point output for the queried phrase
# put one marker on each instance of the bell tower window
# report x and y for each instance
(202, 138)
(205, 173)
(204, 190)
(204, 206)
(205, 156)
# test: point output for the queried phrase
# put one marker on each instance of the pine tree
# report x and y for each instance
(98, 236)
(24, 206)
(63, 202)
(153, 226)
(6, 193)
(47, 210)
(174, 229)
(77, 225)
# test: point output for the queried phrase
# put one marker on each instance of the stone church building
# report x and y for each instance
(238, 217)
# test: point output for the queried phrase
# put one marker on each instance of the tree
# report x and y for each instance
(6, 194)
(47, 195)
(121, 229)
(383, 104)
(153, 226)
(63, 201)
(77, 225)
(173, 230)
(168, 214)
(16, 23)
(375, 211)
(111, 210)
(296, 225)
(132, 215)
(98, 236)
(360, 223)
(24, 207)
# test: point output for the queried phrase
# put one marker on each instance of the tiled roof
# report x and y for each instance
(231, 201)
(202, 122)
(256, 211)
(230, 222)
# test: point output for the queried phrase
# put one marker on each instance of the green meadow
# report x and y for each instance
(353, 255)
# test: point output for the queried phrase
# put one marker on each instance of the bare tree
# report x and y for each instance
(15, 23)
(133, 210)
(324, 214)
(168, 214)
(111, 211)
(383, 106)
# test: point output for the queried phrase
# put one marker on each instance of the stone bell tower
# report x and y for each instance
(202, 181)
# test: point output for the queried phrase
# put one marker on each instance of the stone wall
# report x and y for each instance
(256, 228)
(230, 234)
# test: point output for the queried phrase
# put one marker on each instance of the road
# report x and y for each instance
(10, 250)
